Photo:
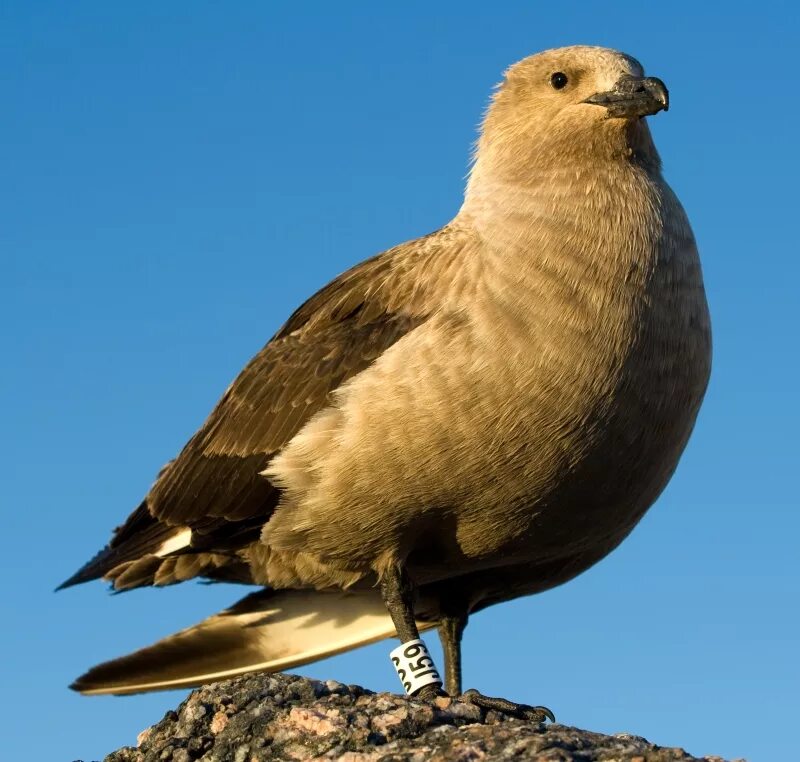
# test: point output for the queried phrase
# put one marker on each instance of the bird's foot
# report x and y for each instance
(504, 706)
(522, 711)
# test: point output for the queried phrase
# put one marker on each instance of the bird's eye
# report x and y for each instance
(559, 80)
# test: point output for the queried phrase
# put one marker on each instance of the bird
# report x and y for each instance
(479, 414)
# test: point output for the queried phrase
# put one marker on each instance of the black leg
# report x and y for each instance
(398, 596)
(451, 628)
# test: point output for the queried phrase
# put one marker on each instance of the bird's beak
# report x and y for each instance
(633, 97)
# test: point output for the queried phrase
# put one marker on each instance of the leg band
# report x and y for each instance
(414, 666)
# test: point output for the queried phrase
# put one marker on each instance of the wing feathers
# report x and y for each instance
(140, 536)
(265, 632)
(217, 478)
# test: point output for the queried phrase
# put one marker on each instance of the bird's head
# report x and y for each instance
(579, 106)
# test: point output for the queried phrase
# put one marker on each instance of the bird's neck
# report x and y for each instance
(604, 217)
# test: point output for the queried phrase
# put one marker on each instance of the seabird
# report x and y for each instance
(475, 415)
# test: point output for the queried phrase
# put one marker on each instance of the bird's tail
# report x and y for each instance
(264, 632)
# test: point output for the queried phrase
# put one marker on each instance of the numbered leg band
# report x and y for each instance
(414, 666)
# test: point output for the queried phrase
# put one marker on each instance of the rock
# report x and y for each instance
(283, 717)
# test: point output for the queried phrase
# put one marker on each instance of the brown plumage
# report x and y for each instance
(490, 408)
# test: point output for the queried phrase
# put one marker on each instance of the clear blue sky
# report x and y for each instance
(175, 180)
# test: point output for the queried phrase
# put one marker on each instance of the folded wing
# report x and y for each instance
(265, 632)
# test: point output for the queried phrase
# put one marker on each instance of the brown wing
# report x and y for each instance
(217, 473)
(214, 486)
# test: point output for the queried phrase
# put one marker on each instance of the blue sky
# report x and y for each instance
(177, 179)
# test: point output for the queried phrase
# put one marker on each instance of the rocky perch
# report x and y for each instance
(268, 717)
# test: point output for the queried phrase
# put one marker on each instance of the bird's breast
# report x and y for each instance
(538, 413)
(604, 361)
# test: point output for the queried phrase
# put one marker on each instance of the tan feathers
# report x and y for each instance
(492, 407)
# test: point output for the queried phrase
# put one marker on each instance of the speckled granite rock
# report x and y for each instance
(269, 717)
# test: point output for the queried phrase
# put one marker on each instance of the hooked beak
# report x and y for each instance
(633, 97)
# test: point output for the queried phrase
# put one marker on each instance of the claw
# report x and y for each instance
(537, 713)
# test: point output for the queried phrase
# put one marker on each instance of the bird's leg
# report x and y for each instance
(398, 596)
(451, 629)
